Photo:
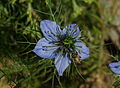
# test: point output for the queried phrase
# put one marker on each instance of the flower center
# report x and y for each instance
(66, 44)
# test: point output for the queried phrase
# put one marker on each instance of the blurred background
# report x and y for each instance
(99, 22)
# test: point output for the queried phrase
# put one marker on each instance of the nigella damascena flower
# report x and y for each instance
(60, 44)
(115, 67)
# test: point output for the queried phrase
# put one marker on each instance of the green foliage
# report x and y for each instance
(20, 30)
(117, 82)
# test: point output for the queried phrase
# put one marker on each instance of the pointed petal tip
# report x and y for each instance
(110, 65)
(45, 52)
(34, 50)
(61, 63)
(60, 74)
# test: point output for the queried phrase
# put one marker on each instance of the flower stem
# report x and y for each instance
(78, 70)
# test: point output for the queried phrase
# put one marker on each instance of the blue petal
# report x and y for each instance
(115, 67)
(45, 49)
(82, 50)
(72, 30)
(50, 29)
(61, 63)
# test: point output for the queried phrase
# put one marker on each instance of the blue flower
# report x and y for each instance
(115, 67)
(60, 44)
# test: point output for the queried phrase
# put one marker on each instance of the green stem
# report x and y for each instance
(26, 42)
(53, 78)
(78, 70)
(51, 10)
(59, 81)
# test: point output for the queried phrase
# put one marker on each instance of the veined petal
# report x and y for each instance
(72, 30)
(45, 49)
(61, 63)
(82, 50)
(115, 67)
(50, 29)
